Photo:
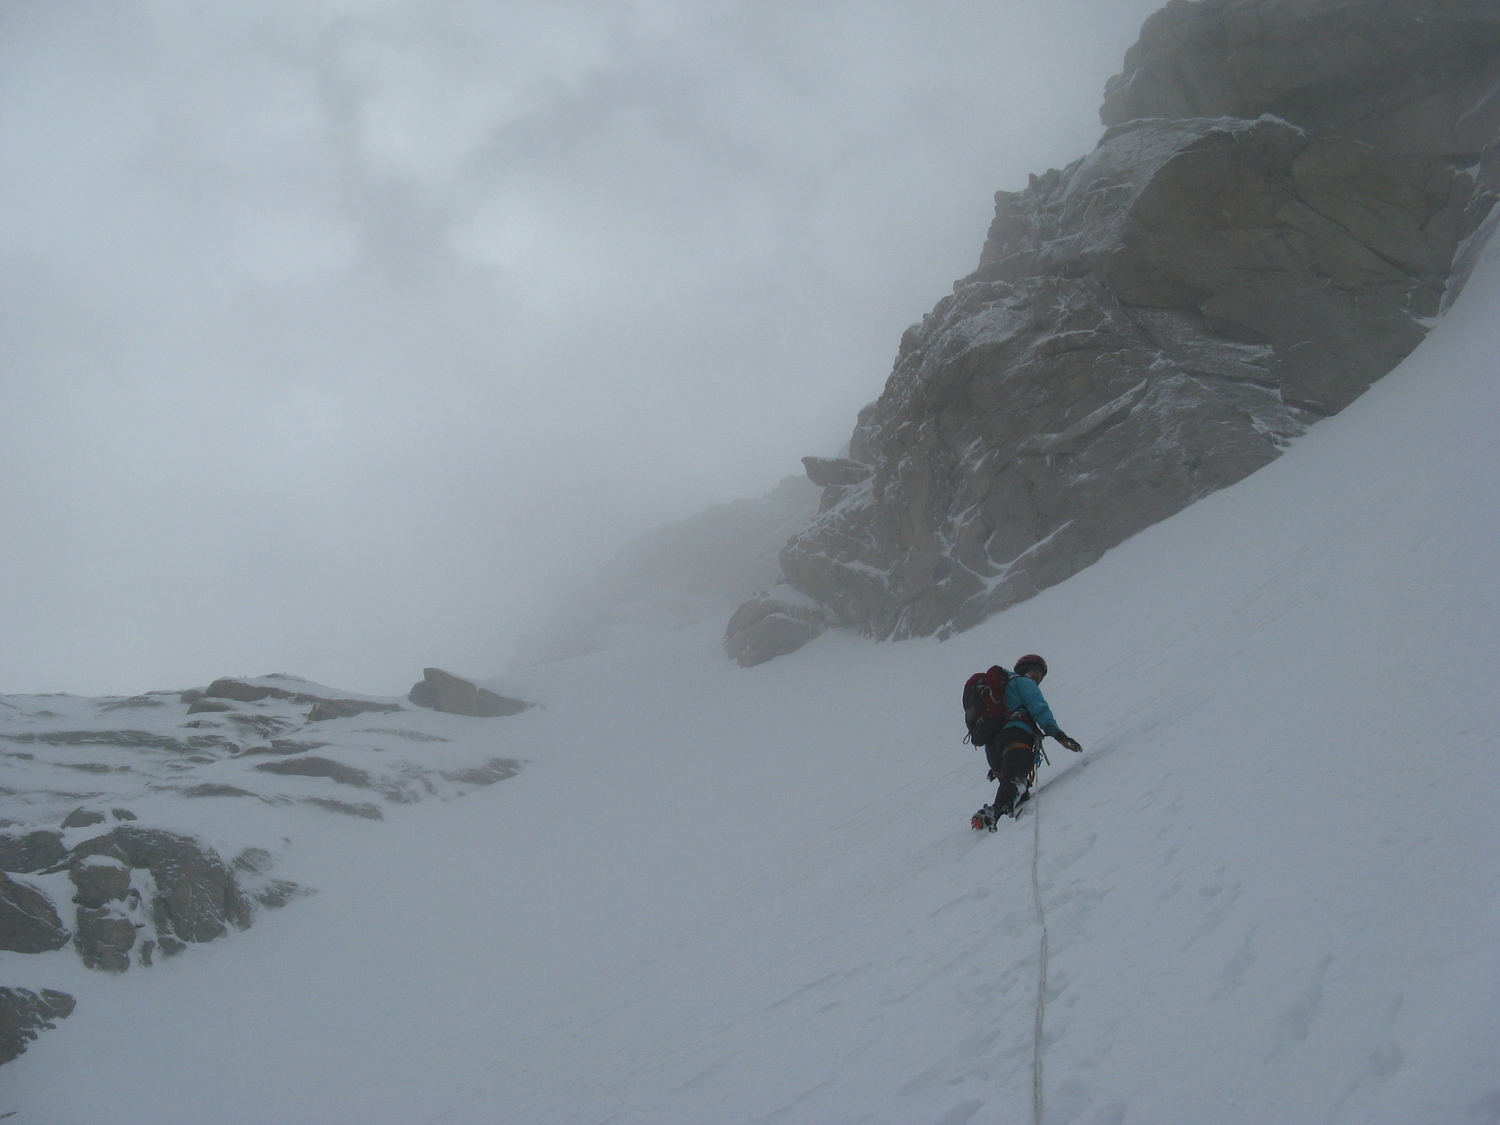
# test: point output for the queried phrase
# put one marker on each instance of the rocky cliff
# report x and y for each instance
(1287, 193)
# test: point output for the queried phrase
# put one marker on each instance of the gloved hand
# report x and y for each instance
(1070, 743)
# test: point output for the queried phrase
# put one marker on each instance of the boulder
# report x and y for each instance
(82, 818)
(104, 937)
(31, 851)
(25, 1014)
(242, 692)
(443, 691)
(773, 624)
(28, 920)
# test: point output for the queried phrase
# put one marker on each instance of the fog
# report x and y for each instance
(337, 337)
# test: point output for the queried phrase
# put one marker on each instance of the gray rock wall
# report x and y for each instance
(1251, 245)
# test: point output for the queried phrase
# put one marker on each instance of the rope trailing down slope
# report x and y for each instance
(1041, 975)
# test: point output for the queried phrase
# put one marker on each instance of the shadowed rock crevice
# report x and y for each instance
(1251, 245)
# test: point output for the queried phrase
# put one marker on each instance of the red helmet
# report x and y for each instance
(1030, 660)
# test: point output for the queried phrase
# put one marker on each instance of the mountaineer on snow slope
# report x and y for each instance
(1008, 715)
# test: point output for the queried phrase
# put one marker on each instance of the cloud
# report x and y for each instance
(335, 333)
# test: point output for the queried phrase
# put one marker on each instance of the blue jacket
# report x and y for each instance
(1022, 694)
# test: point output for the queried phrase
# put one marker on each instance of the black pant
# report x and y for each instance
(1012, 756)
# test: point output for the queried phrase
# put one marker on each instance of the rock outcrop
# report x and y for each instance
(253, 691)
(31, 851)
(443, 691)
(1269, 225)
(25, 1014)
(147, 878)
(28, 920)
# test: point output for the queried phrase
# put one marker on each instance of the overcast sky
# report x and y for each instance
(335, 334)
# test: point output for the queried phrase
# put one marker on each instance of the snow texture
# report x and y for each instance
(721, 895)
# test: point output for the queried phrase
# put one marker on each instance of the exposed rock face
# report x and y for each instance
(104, 938)
(1405, 76)
(25, 1014)
(193, 896)
(31, 851)
(28, 920)
(99, 879)
(443, 691)
(1159, 319)
(323, 707)
(318, 767)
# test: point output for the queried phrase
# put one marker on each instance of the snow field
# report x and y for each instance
(726, 895)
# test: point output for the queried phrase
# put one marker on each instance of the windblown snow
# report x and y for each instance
(721, 895)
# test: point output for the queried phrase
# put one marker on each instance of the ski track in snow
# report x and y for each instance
(752, 896)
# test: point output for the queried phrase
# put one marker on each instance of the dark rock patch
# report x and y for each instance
(28, 920)
(122, 814)
(134, 703)
(346, 709)
(242, 692)
(128, 739)
(104, 937)
(31, 851)
(409, 735)
(210, 706)
(835, 472)
(216, 789)
(82, 818)
(323, 707)
(278, 892)
(454, 695)
(254, 861)
(213, 742)
(25, 1014)
(496, 769)
(319, 767)
(348, 808)
(99, 879)
(263, 725)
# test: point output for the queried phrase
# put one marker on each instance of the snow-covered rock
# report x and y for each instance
(1162, 317)
(117, 840)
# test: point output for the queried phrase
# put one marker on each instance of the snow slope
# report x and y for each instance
(728, 895)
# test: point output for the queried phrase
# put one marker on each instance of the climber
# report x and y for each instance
(1015, 749)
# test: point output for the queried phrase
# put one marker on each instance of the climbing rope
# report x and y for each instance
(1041, 975)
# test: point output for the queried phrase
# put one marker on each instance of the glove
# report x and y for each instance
(1070, 743)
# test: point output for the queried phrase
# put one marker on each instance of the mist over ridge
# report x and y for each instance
(337, 335)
